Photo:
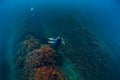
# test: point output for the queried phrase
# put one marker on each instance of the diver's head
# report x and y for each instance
(59, 37)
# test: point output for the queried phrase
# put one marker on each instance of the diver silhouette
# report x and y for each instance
(56, 42)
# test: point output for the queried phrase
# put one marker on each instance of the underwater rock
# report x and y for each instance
(33, 63)
(31, 44)
(20, 55)
(82, 48)
(41, 64)
(48, 73)
(41, 57)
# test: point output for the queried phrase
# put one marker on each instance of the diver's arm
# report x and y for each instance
(63, 42)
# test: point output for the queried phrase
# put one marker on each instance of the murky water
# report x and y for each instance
(51, 18)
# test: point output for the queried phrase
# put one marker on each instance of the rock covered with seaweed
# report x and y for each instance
(43, 63)
(33, 63)
(82, 48)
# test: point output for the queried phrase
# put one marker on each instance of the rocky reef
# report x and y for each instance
(37, 63)
(83, 49)
(82, 55)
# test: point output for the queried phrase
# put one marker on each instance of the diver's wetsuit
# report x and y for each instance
(57, 43)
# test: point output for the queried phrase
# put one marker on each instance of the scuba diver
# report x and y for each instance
(56, 41)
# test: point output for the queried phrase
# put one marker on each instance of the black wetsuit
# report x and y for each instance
(57, 43)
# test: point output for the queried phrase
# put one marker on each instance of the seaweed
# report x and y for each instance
(90, 59)
(82, 48)
(36, 62)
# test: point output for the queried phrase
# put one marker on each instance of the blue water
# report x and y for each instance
(101, 17)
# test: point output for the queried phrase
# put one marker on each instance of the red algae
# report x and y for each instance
(42, 64)
(47, 73)
(37, 63)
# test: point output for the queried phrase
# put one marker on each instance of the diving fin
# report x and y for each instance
(51, 42)
(51, 38)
